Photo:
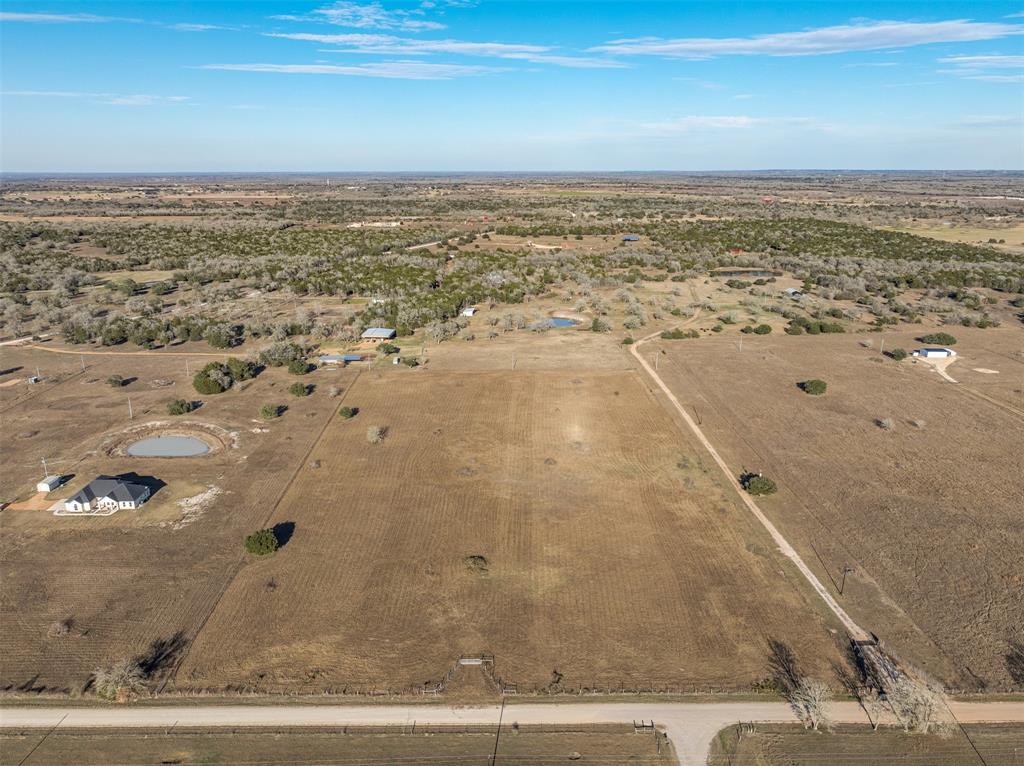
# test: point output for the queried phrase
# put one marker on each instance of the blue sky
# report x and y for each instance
(288, 85)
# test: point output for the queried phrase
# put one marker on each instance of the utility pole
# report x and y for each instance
(881, 347)
(82, 358)
(131, 416)
(187, 373)
(846, 570)
(497, 736)
(46, 471)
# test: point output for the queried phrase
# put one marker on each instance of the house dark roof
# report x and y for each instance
(106, 486)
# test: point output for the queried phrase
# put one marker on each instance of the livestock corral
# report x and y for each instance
(909, 480)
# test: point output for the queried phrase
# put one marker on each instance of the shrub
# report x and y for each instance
(240, 369)
(179, 407)
(261, 542)
(762, 329)
(388, 348)
(599, 325)
(677, 334)
(375, 434)
(939, 339)
(756, 484)
(348, 412)
(281, 354)
(271, 411)
(898, 354)
(116, 381)
(298, 389)
(214, 378)
(814, 387)
(298, 367)
(886, 424)
(627, 341)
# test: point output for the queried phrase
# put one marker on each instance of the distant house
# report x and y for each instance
(377, 334)
(106, 493)
(346, 358)
(935, 353)
(49, 484)
(468, 312)
(631, 238)
(331, 359)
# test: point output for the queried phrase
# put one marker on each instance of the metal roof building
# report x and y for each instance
(378, 333)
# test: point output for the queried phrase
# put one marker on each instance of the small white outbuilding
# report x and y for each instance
(468, 312)
(935, 353)
(49, 484)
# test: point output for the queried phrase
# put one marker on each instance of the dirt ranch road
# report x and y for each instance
(691, 727)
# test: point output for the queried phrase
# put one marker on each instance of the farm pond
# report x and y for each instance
(168, 446)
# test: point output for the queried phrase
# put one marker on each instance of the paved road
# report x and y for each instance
(690, 726)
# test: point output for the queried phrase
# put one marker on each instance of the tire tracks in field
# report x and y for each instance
(785, 548)
(172, 675)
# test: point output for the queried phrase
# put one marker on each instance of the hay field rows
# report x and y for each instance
(928, 515)
(558, 520)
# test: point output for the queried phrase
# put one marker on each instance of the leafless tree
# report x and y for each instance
(120, 681)
(873, 705)
(917, 704)
(375, 434)
(886, 424)
(810, 700)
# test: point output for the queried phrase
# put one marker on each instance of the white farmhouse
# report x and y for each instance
(106, 493)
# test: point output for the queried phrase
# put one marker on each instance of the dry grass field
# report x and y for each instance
(928, 514)
(990, 744)
(602, 744)
(559, 520)
(134, 578)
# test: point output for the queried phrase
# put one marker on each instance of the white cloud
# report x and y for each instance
(990, 68)
(186, 27)
(373, 15)
(53, 18)
(404, 46)
(388, 44)
(113, 99)
(868, 36)
(397, 70)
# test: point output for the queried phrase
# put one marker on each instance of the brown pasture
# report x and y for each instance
(134, 578)
(928, 515)
(559, 520)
